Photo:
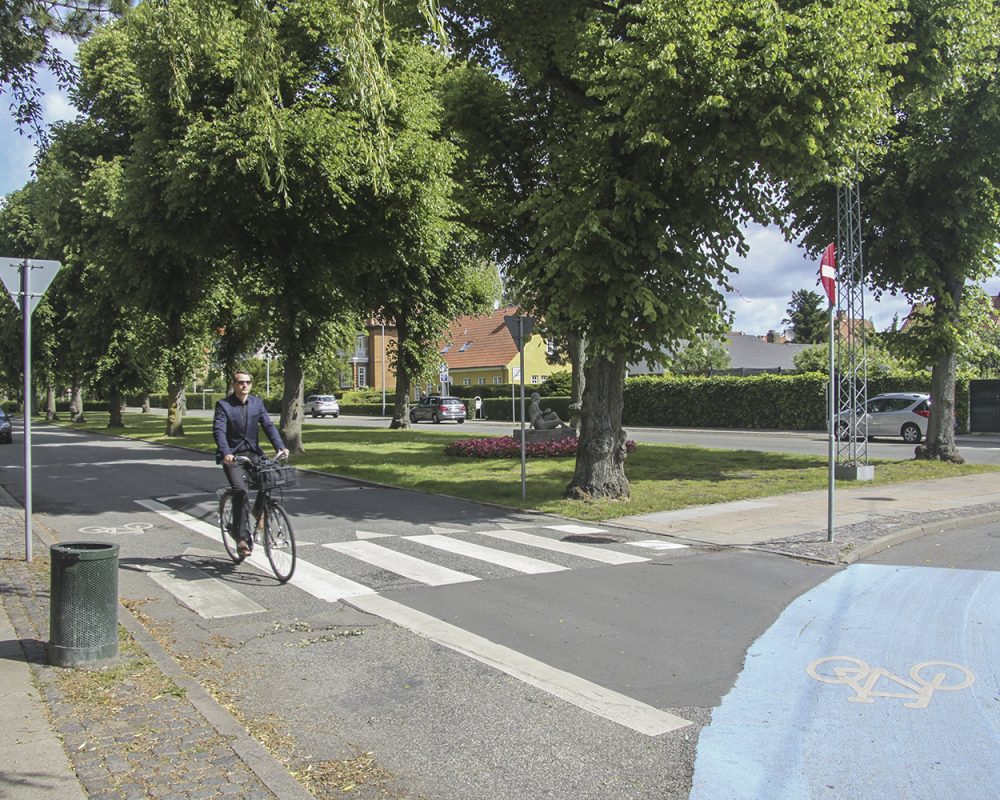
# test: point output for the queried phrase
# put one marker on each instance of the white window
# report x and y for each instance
(466, 381)
(480, 381)
(551, 347)
(362, 376)
(497, 380)
(534, 379)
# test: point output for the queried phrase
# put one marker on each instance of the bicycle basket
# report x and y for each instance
(272, 477)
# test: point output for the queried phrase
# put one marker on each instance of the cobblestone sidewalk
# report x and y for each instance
(130, 731)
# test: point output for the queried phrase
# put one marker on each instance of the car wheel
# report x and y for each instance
(413, 418)
(335, 415)
(434, 419)
(842, 431)
(314, 414)
(459, 421)
(910, 433)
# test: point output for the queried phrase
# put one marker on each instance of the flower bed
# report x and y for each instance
(508, 447)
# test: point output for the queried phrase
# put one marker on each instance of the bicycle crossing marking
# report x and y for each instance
(525, 564)
(402, 564)
(204, 594)
(612, 557)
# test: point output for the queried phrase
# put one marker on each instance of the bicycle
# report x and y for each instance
(273, 528)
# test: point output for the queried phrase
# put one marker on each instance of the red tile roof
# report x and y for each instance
(486, 341)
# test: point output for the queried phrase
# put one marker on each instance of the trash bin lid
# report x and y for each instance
(85, 551)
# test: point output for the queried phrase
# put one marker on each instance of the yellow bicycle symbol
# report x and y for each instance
(926, 678)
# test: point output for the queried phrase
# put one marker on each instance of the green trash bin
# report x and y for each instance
(83, 604)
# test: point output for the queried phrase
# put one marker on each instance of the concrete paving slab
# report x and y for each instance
(33, 764)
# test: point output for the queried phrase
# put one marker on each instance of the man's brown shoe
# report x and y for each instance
(243, 548)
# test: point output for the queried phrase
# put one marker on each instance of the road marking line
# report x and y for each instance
(525, 564)
(574, 529)
(570, 548)
(573, 689)
(320, 583)
(657, 544)
(372, 535)
(203, 593)
(402, 564)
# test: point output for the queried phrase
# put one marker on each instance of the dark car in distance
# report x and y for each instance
(435, 408)
(6, 434)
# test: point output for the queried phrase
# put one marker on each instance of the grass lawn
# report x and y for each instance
(662, 477)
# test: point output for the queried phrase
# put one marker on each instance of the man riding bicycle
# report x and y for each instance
(235, 428)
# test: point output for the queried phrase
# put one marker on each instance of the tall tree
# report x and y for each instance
(28, 29)
(930, 199)
(660, 128)
(807, 318)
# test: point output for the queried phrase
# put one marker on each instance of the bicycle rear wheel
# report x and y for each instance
(226, 525)
(279, 542)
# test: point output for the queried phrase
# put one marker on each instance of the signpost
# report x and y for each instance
(22, 287)
(828, 277)
(520, 327)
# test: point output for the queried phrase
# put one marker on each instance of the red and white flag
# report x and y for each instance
(828, 273)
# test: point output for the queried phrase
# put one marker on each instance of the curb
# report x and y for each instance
(915, 532)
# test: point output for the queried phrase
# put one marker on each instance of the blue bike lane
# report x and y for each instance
(881, 683)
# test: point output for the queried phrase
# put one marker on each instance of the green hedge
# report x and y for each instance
(777, 402)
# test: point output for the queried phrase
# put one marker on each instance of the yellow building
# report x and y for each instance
(477, 351)
(480, 351)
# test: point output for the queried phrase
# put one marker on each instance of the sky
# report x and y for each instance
(763, 285)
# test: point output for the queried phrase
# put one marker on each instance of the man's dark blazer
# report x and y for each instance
(235, 427)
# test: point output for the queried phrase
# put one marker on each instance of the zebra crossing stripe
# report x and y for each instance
(318, 582)
(402, 564)
(569, 548)
(525, 564)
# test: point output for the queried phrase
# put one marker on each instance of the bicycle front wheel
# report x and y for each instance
(226, 525)
(279, 542)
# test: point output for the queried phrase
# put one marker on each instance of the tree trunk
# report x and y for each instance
(176, 406)
(76, 404)
(115, 408)
(940, 442)
(145, 404)
(291, 403)
(600, 454)
(577, 347)
(50, 404)
(401, 399)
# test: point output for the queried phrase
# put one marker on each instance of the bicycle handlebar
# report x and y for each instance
(247, 461)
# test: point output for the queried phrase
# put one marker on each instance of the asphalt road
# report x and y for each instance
(475, 673)
(975, 448)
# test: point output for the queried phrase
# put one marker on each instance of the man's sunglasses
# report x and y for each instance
(246, 382)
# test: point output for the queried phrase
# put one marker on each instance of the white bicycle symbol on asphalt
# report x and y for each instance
(128, 527)
(926, 678)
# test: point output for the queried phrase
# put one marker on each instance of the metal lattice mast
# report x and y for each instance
(852, 362)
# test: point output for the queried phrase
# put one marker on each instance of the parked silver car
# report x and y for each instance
(436, 408)
(902, 414)
(321, 405)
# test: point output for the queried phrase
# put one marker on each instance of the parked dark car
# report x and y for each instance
(6, 435)
(436, 408)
